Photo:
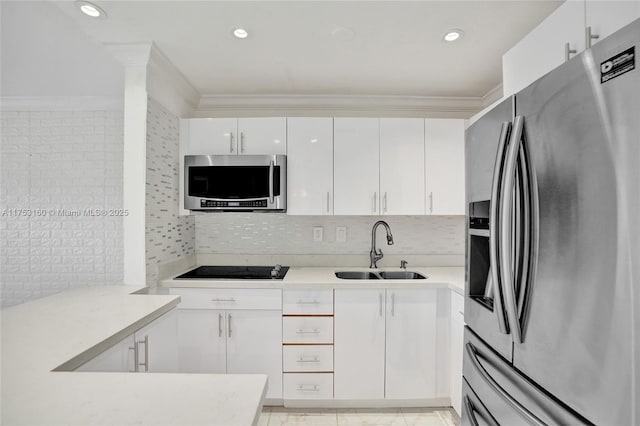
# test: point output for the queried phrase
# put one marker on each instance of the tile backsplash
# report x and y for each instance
(266, 233)
(60, 170)
(168, 235)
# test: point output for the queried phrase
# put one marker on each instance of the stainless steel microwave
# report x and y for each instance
(235, 182)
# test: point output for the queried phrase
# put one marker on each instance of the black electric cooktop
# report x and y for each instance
(276, 272)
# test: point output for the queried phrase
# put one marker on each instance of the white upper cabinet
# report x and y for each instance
(262, 136)
(544, 48)
(356, 166)
(606, 17)
(234, 136)
(211, 136)
(310, 166)
(402, 166)
(445, 168)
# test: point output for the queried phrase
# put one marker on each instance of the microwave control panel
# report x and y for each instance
(223, 204)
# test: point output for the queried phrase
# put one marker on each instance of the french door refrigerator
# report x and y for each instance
(553, 247)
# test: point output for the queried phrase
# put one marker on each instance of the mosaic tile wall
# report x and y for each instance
(60, 192)
(168, 236)
(266, 233)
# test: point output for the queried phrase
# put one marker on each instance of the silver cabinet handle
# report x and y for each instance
(229, 324)
(375, 202)
(494, 232)
(219, 325)
(311, 302)
(241, 141)
(589, 37)
(308, 388)
(431, 202)
(380, 303)
(384, 202)
(528, 415)
(303, 331)
(231, 142)
(218, 299)
(314, 359)
(568, 51)
(145, 342)
(393, 304)
(134, 348)
(328, 202)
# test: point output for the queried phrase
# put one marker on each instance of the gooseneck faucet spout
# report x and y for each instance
(376, 254)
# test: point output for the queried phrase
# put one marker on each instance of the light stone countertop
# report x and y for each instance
(63, 331)
(324, 277)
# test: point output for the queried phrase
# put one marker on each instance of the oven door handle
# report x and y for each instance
(271, 170)
(520, 409)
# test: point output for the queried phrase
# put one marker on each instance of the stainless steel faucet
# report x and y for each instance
(376, 254)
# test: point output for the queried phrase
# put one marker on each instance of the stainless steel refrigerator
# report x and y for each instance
(553, 247)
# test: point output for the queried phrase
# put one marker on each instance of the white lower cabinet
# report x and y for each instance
(243, 338)
(456, 338)
(308, 386)
(151, 349)
(385, 344)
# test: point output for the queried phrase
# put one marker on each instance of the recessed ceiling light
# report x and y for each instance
(240, 33)
(453, 35)
(90, 9)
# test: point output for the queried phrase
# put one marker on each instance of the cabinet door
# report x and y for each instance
(262, 136)
(201, 341)
(118, 358)
(310, 166)
(254, 346)
(455, 366)
(402, 166)
(359, 342)
(543, 49)
(356, 160)
(211, 136)
(158, 345)
(444, 159)
(411, 344)
(606, 17)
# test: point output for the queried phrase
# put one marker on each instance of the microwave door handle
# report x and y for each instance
(494, 232)
(506, 222)
(271, 170)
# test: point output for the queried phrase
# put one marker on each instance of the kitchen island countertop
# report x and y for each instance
(63, 331)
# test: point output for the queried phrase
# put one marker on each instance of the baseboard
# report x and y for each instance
(368, 403)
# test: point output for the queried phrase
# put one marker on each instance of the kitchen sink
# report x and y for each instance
(384, 275)
(356, 275)
(401, 275)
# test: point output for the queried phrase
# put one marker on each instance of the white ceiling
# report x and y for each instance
(397, 48)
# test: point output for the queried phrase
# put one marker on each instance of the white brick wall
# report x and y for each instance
(52, 163)
(168, 236)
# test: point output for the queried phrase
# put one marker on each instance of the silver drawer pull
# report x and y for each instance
(308, 388)
(303, 331)
(308, 302)
(314, 359)
(217, 299)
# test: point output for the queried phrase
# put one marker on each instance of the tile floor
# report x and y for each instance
(278, 416)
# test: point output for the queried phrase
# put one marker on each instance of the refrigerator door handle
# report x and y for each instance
(522, 411)
(494, 231)
(470, 413)
(505, 247)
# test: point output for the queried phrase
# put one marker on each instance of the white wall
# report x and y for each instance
(44, 53)
(54, 166)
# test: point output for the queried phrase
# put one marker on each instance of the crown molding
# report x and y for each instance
(492, 95)
(462, 107)
(61, 103)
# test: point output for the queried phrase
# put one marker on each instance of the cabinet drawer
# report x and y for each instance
(228, 298)
(307, 302)
(307, 330)
(308, 386)
(307, 358)
(457, 305)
